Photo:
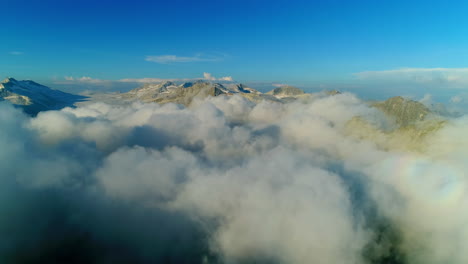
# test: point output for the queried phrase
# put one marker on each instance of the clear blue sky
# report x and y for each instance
(288, 41)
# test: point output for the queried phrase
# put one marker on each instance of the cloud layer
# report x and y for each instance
(228, 181)
(457, 77)
(165, 59)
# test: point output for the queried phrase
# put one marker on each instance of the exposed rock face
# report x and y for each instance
(34, 97)
(405, 111)
(286, 91)
(181, 94)
(333, 92)
(169, 92)
(185, 93)
(241, 88)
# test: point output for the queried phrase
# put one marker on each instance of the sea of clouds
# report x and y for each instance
(228, 181)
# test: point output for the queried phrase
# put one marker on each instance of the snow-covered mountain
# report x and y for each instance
(34, 97)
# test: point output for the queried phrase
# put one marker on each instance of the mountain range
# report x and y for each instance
(185, 93)
(34, 97)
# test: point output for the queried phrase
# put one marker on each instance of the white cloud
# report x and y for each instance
(231, 181)
(16, 53)
(456, 99)
(456, 77)
(210, 77)
(165, 59)
(145, 80)
(426, 100)
(206, 76)
(226, 78)
(83, 79)
(278, 84)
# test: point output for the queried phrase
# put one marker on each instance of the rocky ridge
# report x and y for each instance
(34, 97)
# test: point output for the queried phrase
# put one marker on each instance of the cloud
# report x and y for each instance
(227, 181)
(278, 84)
(226, 78)
(427, 100)
(456, 99)
(456, 77)
(210, 77)
(206, 76)
(16, 53)
(83, 79)
(89, 84)
(86, 79)
(145, 80)
(89, 80)
(166, 59)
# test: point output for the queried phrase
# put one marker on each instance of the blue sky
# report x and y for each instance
(307, 43)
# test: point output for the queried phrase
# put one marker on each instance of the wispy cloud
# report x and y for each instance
(278, 84)
(84, 79)
(206, 76)
(146, 80)
(166, 59)
(16, 53)
(456, 99)
(453, 76)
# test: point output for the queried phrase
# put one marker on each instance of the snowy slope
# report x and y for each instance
(34, 97)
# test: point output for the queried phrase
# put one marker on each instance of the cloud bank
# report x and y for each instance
(229, 181)
(166, 59)
(456, 77)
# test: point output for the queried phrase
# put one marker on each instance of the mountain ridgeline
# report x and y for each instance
(34, 98)
(405, 112)
(185, 93)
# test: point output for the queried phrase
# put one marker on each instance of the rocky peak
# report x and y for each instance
(333, 92)
(9, 80)
(405, 111)
(167, 84)
(286, 91)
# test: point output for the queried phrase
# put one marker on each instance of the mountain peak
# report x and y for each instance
(9, 79)
(33, 97)
(405, 111)
(286, 91)
(167, 83)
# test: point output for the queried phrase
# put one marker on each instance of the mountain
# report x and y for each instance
(185, 93)
(169, 92)
(286, 91)
(241, 88)
(415, 123)
(406, 112)
(33, 97)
